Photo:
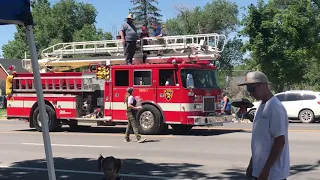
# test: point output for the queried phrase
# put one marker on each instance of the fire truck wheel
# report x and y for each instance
(53, 123)
(181, 129)
(150, 121)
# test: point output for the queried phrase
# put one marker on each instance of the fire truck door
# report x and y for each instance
(107, 98)
(168, 96)
(144, 84)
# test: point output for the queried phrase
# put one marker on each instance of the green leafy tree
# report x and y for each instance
(145, 12)
(217, 16)
(64, 21)
(231, 55)
(283, 36)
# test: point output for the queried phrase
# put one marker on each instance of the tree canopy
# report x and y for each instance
(284, 41)
(217, 16)
(64, 21)
(145, 12)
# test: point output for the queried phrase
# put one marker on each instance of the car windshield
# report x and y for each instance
(202, 78)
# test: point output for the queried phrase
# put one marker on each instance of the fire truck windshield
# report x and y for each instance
(202, 78)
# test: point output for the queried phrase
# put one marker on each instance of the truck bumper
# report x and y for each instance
(211, 120)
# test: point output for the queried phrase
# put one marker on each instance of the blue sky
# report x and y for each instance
(111, 15)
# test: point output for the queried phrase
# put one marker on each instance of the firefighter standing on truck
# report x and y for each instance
(129, 39)
(131, 115)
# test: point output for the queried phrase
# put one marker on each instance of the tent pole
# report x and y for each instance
(41, 103)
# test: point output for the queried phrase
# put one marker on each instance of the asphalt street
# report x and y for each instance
(205, 153)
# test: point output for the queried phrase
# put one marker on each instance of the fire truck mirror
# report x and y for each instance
(9, 80)
(189, 81)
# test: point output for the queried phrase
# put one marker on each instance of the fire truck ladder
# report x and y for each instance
(204, 43)
(195, 47)
(56, 84)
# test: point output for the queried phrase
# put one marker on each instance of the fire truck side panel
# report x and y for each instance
(169, 98)
(187, 107)
(120, 82)
(21, 106)
(144, 83)
(16, 107)
(66, 107)
(118, 105)
(107, 99)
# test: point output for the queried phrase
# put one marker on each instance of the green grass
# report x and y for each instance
(3, 112)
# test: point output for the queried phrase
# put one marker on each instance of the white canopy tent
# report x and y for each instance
(18, 12)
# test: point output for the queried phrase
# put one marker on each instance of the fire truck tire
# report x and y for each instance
(149, 120)
(54, 124)
(181, 129)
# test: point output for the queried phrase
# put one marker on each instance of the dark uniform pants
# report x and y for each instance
(130, 50)
(132, 125)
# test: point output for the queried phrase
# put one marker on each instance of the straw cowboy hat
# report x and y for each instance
(130, 16)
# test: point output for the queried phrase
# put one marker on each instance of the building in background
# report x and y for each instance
(4, 65)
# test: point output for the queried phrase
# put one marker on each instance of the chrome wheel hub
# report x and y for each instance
(146, 120)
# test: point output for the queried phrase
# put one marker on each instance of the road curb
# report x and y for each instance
(250, 130)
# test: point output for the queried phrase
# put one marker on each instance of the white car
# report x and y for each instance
(302, 105)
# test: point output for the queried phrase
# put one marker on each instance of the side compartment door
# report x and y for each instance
(168, 96)
(120, 85)
(107, 98)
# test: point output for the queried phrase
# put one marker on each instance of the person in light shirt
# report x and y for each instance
(131, 113)
(270, 159)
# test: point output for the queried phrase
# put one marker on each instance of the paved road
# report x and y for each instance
(220, 153)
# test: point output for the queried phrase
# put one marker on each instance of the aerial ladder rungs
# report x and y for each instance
(205, 43)
(54, 84)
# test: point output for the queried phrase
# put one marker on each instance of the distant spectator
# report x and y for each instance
(110, 167)
(163, 30)
(226, 105)
(157, 32)
(242, 113)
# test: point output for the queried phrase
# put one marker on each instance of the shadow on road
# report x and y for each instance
(84, 168)
(121, 130)
(132, 169)
(304, 168)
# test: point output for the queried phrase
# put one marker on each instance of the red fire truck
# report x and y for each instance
(178, 89)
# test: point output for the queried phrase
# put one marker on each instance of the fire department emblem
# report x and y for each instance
(168, 93)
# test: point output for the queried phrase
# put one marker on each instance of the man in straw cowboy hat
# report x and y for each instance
(269, 143)
(129, 38)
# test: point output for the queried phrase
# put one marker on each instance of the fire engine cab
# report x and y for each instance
(179, 89)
